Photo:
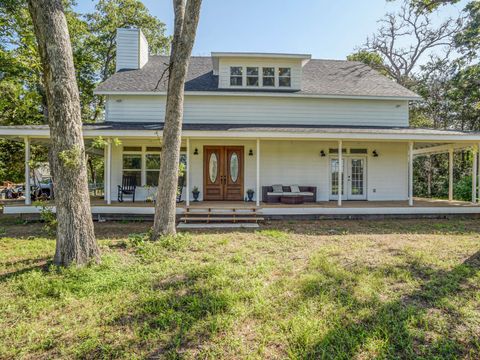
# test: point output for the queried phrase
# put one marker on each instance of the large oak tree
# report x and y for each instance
(76, 242)
(187, 14)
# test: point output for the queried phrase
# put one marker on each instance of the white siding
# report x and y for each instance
(225, 63)
(143, 49)
(132, 49)
(295, 162)
(263, 110)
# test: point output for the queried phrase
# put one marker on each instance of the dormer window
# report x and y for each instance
(284, 77)
(268, 78)
(252, 76)
(236, 76)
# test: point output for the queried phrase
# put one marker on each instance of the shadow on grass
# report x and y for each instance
(182, 312)
(390, 323)
(36, 264)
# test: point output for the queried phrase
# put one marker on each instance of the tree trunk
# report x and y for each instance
(76, 242)
(186, 21)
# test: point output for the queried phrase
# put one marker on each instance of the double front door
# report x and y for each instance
(354, 171)
(223, 172)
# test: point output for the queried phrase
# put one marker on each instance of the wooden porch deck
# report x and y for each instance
(418, 202)
(422, 207)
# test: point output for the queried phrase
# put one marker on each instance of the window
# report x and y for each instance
(132, 166)
(335, 151)
(358, 151)
(152, 169)
(143, 162)
(284, 77)
(252, 76)
(236, 76)
(268, 76)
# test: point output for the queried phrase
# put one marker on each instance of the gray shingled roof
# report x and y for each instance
(320, 77)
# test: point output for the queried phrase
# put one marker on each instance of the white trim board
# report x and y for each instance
(273, 211)
(260, 134)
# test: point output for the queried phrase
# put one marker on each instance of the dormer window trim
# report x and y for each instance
(236, 76)
(284, 77)
(252, 76)
(244, 76)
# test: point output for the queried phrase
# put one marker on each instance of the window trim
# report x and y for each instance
(143, 170)
(145, 154)
(274, 77)
(252, 76)
(241, 76)
(289, 77)
(134, 170)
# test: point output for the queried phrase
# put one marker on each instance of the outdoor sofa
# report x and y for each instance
(309, 193)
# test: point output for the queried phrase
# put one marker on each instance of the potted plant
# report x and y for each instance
(195, 193)
(250, 193)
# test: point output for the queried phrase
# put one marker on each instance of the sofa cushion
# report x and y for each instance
(289, 194)
(294, 189)
(278, 188)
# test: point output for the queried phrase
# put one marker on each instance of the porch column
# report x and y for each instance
(450, 173)
(28, 196)
(258, 173)
(410, 173)
(474, 175)
(108, 172)
(340, 172)
(187, 169)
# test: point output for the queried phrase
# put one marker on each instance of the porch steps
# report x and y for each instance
(220, 215)
(218, 226)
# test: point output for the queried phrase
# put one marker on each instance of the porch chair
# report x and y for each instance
(128, 187)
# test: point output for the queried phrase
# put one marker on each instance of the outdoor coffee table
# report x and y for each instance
(292, 199)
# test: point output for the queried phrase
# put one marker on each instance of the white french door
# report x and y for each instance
(354, 171)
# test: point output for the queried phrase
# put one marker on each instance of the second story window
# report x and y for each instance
(252, 76)
(284, 77)
(268, 78)
(236, 76)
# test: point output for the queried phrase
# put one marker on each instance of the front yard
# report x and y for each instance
(300, 290)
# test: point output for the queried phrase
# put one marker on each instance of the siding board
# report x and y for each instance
(263, 110)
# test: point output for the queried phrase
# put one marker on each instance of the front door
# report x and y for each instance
(223, 173)
(354, 171)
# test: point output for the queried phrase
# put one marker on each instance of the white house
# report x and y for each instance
(253, 120)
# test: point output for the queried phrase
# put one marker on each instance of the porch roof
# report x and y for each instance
(261, 131)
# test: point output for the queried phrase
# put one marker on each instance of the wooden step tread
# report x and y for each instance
(221, 208)
(239, 218)
(221, 213)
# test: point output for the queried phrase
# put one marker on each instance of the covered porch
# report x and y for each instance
(375, 165)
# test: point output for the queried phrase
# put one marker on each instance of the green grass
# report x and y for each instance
(299, 290)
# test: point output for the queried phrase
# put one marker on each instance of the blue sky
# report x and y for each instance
(329, 29)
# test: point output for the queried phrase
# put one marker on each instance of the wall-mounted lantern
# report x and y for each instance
(195, 152)
(322, 153)
(375, 153)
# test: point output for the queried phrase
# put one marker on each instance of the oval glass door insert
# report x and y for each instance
(234, 167)
(213, 167)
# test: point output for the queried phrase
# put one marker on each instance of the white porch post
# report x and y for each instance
(108, 172)
(478, 172)
(474, 174)
(410, 173)
(28, 196)
(340, 173)
(187, 186)
(450, 173)
(258, 173)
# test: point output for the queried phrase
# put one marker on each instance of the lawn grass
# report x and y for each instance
(299, 290)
